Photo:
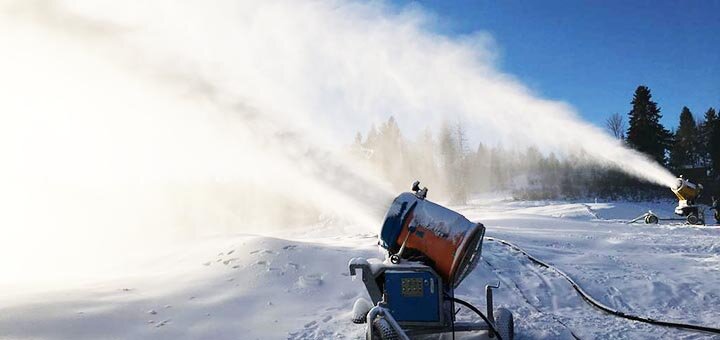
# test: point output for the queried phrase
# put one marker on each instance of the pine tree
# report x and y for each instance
(645, 133)
(358, 138)
(714, 146)
(480, 169)
(684, 152)
(371, 137)
(390, 152)
(451, 158)
(706, 128)
(461, 166)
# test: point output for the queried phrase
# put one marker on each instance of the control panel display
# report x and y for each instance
(411, 287)
(413, 295)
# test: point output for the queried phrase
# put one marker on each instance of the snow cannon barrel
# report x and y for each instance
(416, 229)
(686, 190)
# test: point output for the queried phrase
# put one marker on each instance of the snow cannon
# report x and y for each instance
(430, 250)
(416, 229)
(687, 193)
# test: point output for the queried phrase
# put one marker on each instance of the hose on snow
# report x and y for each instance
(595, 303)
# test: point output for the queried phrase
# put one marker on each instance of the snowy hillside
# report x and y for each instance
(297, 285)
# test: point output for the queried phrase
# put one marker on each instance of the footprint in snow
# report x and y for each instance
(226, 262)
(230, 252)
(162, 323)
(310, 280)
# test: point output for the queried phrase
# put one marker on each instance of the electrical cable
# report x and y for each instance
(590, 300)
(478, 312)
(452, 317)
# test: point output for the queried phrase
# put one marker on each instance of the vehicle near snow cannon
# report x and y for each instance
(687, 194)
(430, 251)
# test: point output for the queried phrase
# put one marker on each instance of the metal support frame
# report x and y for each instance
(370, 273)
(379, 311)
(489, 303)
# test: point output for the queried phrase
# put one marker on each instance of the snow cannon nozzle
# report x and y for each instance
(685, 190)
(420, 193)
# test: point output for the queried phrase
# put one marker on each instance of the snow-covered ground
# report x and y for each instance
(296, 284)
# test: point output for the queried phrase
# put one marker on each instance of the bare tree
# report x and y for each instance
(616, 125)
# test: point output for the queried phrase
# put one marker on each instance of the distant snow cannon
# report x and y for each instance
(687, 194)
(431, 249)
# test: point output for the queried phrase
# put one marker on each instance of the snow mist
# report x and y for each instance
(149, 118)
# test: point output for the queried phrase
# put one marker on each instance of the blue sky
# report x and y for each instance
(593, 54)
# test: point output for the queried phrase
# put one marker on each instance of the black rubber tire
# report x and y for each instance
(383, 331)
(505, 324)
(361, 307)
(651, 219)
(692, 219)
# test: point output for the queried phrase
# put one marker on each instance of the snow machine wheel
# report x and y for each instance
(360, 310)
(692, 219)
(504, 323)
(651, 219)
(382, 330)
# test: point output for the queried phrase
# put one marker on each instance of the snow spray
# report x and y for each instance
(331, 68)
(143, 113)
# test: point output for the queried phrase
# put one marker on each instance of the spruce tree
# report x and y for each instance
(684, 152)
(645, 133)
(706, 128)
(450, 157)
(714, 146)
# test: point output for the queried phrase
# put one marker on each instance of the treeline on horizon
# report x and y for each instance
(444, 161)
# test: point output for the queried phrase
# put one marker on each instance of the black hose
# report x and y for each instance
(491, 325)
(590, 300)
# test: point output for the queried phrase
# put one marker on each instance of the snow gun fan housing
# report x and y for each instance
(416, 229)
(686, 192)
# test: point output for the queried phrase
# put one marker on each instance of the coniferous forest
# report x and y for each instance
(445, 161)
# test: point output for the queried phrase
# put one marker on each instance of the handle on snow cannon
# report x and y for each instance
(419, 230)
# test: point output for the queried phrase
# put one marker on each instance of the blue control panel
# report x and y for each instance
(412, 296)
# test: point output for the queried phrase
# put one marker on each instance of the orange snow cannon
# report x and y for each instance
(416, 229)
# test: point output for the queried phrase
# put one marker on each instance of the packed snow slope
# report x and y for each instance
(296, 285)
